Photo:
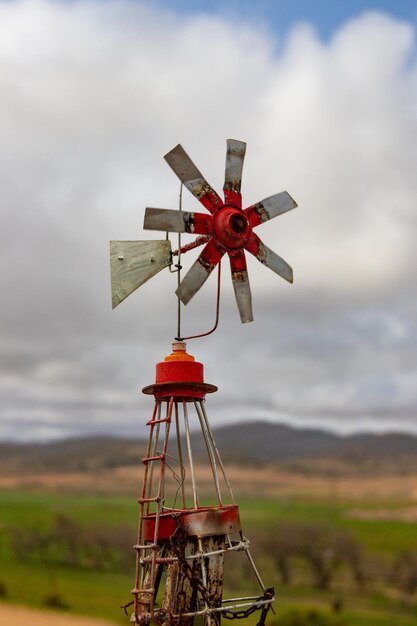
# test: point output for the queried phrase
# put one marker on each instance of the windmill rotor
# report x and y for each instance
(225, 228)
(229, 227)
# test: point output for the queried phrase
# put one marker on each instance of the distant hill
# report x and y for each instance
(250, 443)
(312, 449)
(265, 442)
(80, 454)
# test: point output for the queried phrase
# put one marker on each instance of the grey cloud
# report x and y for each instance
(93, 95)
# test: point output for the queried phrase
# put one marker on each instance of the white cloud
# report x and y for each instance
(92, 95)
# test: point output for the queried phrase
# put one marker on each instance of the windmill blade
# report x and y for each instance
(192, 178)
(269, 258)
(171, 221)
(235, 155)
(165, 219)
(199, 271)
(241, 286)
(269, 208)
(132, 263)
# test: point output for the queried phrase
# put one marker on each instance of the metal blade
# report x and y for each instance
(270, 208)
(132, 263)
(165, 219)
(199, 271)
(192, 178)
(269, 258)
(177, 221)
(233, 175)
(241, 286)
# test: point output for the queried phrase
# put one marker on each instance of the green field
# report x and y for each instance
(96, 578)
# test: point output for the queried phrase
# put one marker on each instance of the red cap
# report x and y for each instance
(180, 375)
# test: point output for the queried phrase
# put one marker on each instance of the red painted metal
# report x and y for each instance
(199, 223)
(233, 197)
(179, 371)
(238, 261)
(231, 227)
(179, 375)
(227, 230)
(210, 200)
(201, 522)
(190, 246)
(212, 253)
(256, 215)
(187, 391)
(256, 247)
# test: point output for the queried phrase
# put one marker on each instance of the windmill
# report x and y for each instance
(226, 229)
(188, 534)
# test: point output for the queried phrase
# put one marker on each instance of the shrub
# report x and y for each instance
(55, 601)
(3, 590)
(306, 617)
(404, 572)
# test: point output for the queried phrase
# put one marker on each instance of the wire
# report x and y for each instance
(178, 265)
(216, 323)
(199, 241)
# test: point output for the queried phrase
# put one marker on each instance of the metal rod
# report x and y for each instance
(179, 269)
(228, 600)
(161, 483)
(224, 609)
(182, 469)
(210, 450)
(190, 454)
(216, 323)
(144, 491)
(203, 569)
(159, 503)
(220, 462)
(252, 562)
(194, 244)
(139, 575)
(155, 433)
(242, 545)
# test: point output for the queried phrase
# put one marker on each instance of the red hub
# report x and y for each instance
(231, 227)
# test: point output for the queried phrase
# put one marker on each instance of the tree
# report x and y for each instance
(404, 572)
(324, 547)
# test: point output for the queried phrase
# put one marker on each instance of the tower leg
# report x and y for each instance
(180, 595)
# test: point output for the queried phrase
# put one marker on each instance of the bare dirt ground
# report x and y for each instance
(272, 482)
(11, 615)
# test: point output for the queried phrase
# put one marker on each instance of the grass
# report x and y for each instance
(386, 537)
(90, 592)
(100, 593)
(97, 594)
(29, 508)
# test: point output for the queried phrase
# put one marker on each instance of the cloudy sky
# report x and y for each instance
(94, 93)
